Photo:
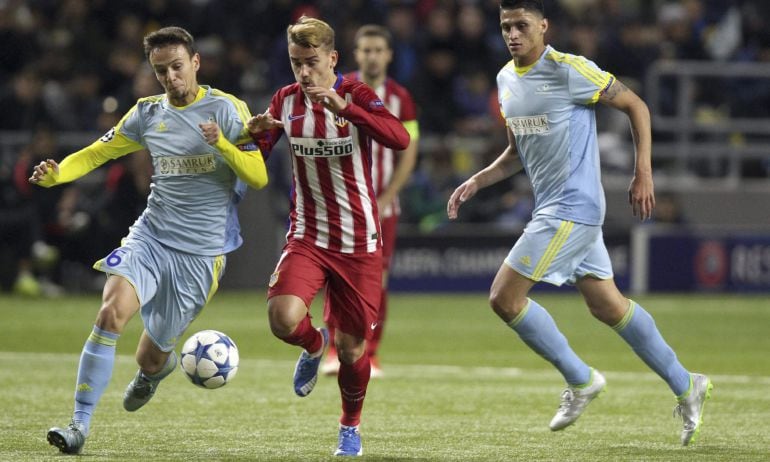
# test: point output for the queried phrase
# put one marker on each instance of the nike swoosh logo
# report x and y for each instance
(373, 325)
(295, 117)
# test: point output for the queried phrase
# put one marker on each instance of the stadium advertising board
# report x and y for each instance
(724, 262)
(469, 262)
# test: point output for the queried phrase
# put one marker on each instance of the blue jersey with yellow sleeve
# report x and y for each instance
(194, 193)
(195, 186)
(549, 108)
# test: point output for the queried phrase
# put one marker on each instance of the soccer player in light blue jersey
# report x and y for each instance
(169, 265)
(547, 99)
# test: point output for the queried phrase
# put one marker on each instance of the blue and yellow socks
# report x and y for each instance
(94, 372)
(538, 330)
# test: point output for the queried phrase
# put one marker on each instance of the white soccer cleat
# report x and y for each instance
(575, 399)
(690, 408)
(332, 364)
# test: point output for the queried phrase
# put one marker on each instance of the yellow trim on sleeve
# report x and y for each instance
(243, 113)
(248, 165)
(413, 128)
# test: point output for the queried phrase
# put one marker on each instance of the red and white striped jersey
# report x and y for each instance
(400, 103)
(333, 203)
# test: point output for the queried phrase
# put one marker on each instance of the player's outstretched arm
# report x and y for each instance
(249, 166)
(111, 146)
(504, 166)
(641, 193)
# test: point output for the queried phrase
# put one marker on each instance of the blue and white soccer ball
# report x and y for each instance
(209, 359)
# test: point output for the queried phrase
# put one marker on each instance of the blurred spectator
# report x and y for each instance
(76, 65)
(25, 257)
(23, 104)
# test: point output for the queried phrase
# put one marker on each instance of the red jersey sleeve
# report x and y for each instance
(267, 140)
(367, 112)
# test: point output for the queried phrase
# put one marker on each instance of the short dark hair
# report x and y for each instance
(374, 30)
(171, 35)
(532, 5)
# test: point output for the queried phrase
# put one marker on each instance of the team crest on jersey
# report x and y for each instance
(273, 279)
(107, 137)
(340, 121)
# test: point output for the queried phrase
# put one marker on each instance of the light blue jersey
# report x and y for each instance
(549, 107)
(194, 193)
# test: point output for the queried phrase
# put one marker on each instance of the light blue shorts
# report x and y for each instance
(558, 251)
(172, 286)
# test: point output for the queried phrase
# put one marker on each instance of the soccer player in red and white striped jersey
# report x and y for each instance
(334, 240)
(391, 168)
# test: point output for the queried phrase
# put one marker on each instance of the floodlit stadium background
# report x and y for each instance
(70, 69)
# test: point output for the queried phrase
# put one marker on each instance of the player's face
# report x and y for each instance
(373, 56)
(523, 32)
(312, 66)
(176, 71)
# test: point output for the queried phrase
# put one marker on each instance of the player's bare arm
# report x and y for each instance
(263, 122)
(641, 193)
(504, 166)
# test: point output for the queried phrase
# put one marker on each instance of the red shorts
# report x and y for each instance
(352, 283)
(389, 226)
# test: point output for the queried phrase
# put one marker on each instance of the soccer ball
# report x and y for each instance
(209, 359)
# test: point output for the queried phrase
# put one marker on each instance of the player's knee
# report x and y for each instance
(111, 317)
(350, 353)
(607, 312)
(505, 306)
(282, 323)
(349, 348)
(149, 363)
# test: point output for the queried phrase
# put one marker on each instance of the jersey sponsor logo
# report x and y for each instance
(107, 137)
(544, 88)
(321, 147)
(533, 125)
(186, 165)
(376, 103)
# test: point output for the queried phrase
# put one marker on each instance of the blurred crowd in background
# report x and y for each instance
(71, 68)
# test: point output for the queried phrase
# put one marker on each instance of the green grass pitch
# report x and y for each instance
(459, 386)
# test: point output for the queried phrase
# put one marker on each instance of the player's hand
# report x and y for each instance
(210, 131)
(261, 122)
(327, 97)
(44, 173)
(463, 192)
(641, 196)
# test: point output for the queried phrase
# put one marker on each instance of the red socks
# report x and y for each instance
(353, 379)
(305, 336)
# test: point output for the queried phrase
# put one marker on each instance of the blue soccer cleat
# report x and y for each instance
(69, 440)
(349, 442)
(306, 370)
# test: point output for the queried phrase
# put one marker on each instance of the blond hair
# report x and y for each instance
(311, 33)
